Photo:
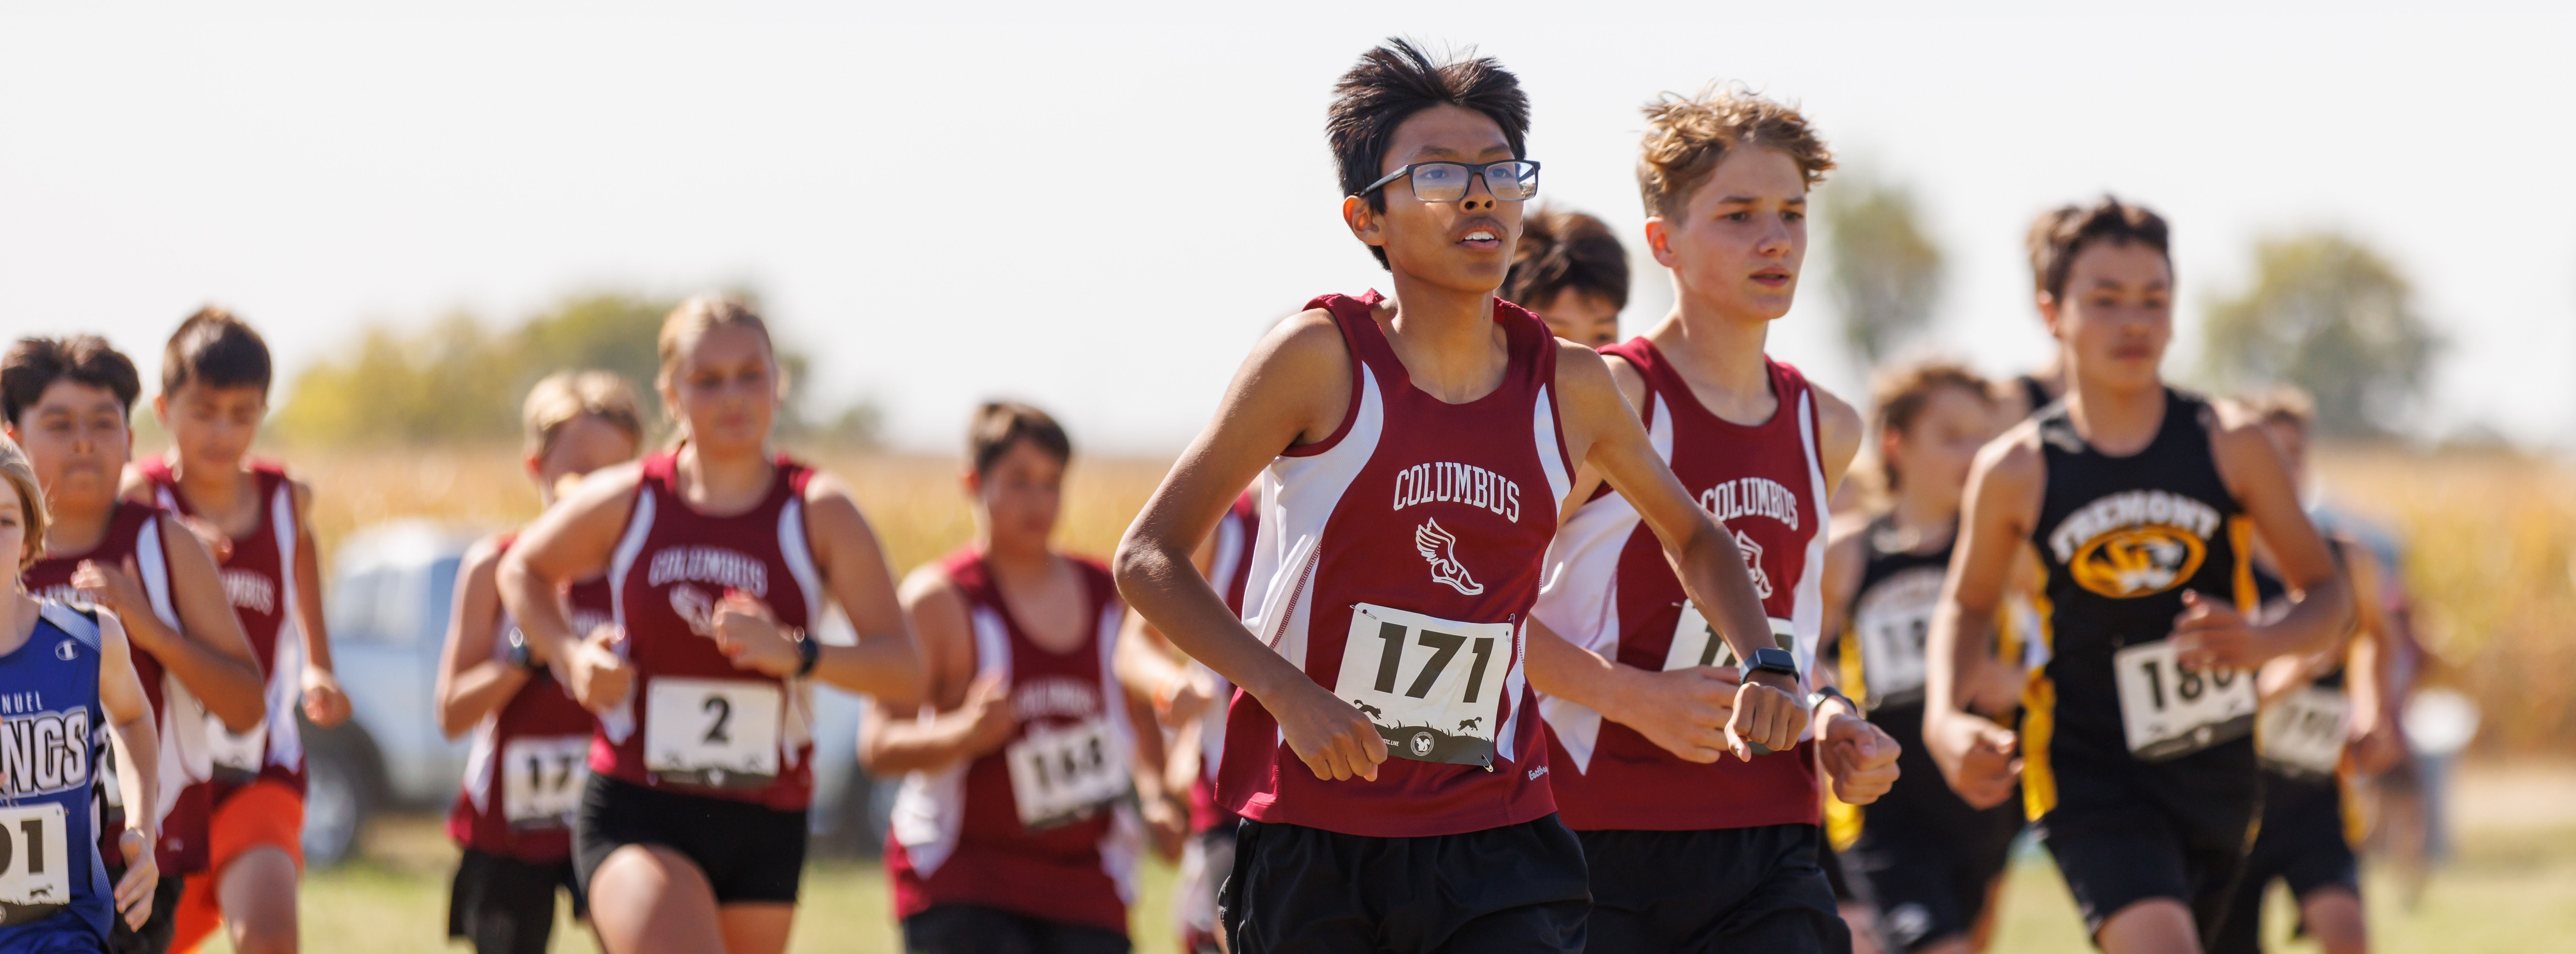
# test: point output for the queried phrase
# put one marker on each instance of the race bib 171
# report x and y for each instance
(1433, 687)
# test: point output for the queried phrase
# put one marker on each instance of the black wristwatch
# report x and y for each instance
(808, 652)
(1780, 661)
(1816, 699)
(518, 653)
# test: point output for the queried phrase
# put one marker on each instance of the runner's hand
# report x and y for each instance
(990, 717)
(2211, 635)
(599, 678)
(1978, 758)
(1167, 823)
(324, 703)
(117, 591)
(2377, 743)
(1684, 711)
(216, 540)
(747, 632)
(1859, 757)
(1765, 715)
(1329, 734)
(142, 875)
(1188, 696)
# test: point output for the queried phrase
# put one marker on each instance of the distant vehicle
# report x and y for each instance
(388, 602)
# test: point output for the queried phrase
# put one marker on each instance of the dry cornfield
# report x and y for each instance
(2491, 542)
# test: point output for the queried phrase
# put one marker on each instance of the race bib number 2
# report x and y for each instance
(715, 733)
(1062, 774)
(1431, 686)
(541, 780)
(2169, 712)
(35, 867)
(1696, 643)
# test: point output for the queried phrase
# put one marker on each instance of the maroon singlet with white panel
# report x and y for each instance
(134, 532)
(1396, 564)
(524, 774)
(1613, 592)
(694, 723)
(1037, 827)
(259, 581)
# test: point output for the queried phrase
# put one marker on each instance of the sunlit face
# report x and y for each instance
(1742, 235)
(1585, 319)
(2293, 441)
(1934, 454)
(13, 529)
(1464, 245)
(2117, 314)
(726, 386)
(581, 445)
(212, 427)
(1020, 495)
(76, 437)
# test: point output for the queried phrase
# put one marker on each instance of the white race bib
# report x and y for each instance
(237, 756)
(35, 867)
(2169, 712)
(1433, 687)
(1062, 774)
(2303, 733)
(541, 779)
(716, 733)
(1696, 643)
(1893, 622)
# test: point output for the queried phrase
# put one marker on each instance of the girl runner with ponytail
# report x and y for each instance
(719, 554)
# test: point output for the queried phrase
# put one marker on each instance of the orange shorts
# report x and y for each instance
(264, 814)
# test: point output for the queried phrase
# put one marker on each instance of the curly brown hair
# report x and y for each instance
(1562, 251)
(1687, 136)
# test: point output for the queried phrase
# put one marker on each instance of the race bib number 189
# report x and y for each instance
(717, 733)
(35, 869)
(1431, 686)
(1696, 643)
(2169, 712)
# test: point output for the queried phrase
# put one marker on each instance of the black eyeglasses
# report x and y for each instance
(1511, 180)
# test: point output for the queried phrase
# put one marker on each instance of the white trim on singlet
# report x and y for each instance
(1807, 613)
(1123, 843)
(1551, 458)
(1229, 551)
(1579, 599)
(797, 729)
(619, 722)
(286, 658)
(185, 756)
(1298, 495)
(71, 622)
(929, 813)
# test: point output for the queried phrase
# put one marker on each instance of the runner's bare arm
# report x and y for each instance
(2375, 742)
(962, 716)
(1294, 389)
(1979, 757)
(1601, 430)
(885, 663)
(1149, 664)
(1839, 584)
(1632, 389)
(129, 720)
(324, 702)
(570, 541)
(1838, 436)
(2212, 635)
(207, 652)
(472, 684)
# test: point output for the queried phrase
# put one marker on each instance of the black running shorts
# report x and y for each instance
(975, 929)
(157, 931)
(1733, 889)
(2116, 856)
(1519, 889)
(1929, 884)
(749, 853)
(2301, 844)
(503, 905)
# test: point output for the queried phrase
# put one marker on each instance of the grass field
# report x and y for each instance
(2512, 888)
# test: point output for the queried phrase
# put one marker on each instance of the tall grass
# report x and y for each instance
(2491, 543)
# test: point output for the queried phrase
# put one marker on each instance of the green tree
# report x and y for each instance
(1886, 271)
(2330, 315)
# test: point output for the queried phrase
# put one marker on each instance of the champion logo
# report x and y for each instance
(1440, 549)
(1753, 564)
(1536, 772)
(65, 651)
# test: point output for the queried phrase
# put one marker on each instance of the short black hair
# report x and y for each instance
(2059, 235)
(1564, 251)
(1395, 81)
(34, 364)
(1000, 424)
(215, 349)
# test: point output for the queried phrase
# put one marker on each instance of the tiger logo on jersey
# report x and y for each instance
(1440, 549)
(2134, 543)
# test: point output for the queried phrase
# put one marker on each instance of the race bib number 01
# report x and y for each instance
(35, 868)
(1696, 643)
(237, 756)
(2169, 712)
(1059, 775)
(1894, 621)
(541, 780)
(2303, 733)
(1433, 687)
(715, 733)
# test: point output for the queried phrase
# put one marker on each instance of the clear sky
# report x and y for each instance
(1099, 207)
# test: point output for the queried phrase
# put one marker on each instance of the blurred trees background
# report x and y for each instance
(1886, 271)
(2330, 315)
(461, 379)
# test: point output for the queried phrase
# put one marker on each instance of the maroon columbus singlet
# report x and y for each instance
(1235, 534)
(524, 775)
(1038, 827)
(695, 723)
(1612, 591)
(1396, 565)
(134, 532)
(259, 582)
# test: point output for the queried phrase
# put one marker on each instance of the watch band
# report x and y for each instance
(1817, 698)
(809, 651)
(1780, 661)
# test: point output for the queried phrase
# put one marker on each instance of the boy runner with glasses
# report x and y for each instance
(1414, 452)
(2134, 751)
